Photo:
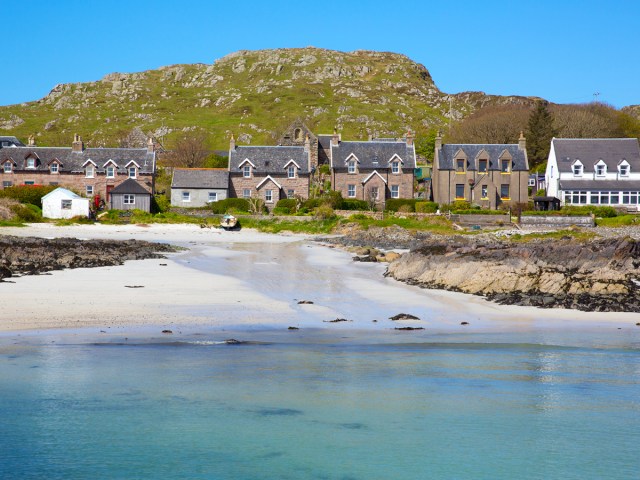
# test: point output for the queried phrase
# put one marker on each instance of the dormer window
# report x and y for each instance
(577, 169)
(351, 166)
(505, 166)
(110, 171)
(291, 171)
(460, 165)
(89, 171)
(482, 166)
(395, 167)
(7, 167)
(132, 172)
(246, 171)
(31, 163)
(601, 169)
(624, 169)
(54, 168)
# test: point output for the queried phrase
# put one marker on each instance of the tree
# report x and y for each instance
(540, 131)
(493, 124)
(189, 151)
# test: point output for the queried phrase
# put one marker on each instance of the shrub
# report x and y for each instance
(230, 204)
(426, 207)
(287, 206)
(602, 212)
(541, 193)
(325, 169)
(353, 204)
(27, 213)
(310, 204)
(27, 193)
(394, 204)
(324, 212)
(460, 205)
(281, 211)
(160, 203)
(406, 209)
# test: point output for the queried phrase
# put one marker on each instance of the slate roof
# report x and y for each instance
(73, 161)
(62, 191)
(373, 154)
(130, 186)
(269, 160)
(591, 150)
(447, 155)
(12, 141)
(200, 178)
(600, 185)
(325, 141)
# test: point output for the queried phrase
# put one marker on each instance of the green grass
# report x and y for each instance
(435, 224)
(619, 221)
(557, 235)
(277, 226)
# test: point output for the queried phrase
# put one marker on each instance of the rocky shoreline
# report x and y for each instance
(601, 275)
(32, 256)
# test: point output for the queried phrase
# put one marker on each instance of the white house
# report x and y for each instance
(197, 187)
(63, 203)
(595, 171)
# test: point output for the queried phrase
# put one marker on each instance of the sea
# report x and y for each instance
(338, 402)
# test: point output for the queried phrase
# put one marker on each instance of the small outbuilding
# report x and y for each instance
(63, 203)
(197, 187)
(130, 195)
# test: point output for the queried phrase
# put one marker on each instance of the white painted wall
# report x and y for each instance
(52, 204)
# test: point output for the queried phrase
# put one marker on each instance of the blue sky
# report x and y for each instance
(564, 51)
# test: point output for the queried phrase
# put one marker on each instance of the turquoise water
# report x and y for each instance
(369, 406)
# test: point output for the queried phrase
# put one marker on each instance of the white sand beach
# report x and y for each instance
(248, 280)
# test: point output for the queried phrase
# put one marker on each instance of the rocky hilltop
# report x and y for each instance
(254, 94)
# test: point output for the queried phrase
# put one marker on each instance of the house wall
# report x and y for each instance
(552, 175)
(52, 207)
(237, 183)
(199, 196)
(341, 180)
(142, 202)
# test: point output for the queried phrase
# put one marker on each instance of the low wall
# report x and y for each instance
(557, 221)
(470, 219)
(368, 213)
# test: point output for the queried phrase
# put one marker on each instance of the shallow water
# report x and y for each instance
(317, 406)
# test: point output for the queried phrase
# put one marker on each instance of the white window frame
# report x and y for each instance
(66, 204)
(577, 169)
(89, 171)
(395, 191)
(128, 199)
(213, 196)
(291, 193)
(89, 190)
(31, 163)
(351, 166)
(395, 167)
(111, 171)
(7, 183)
(7, 167)
(53, 168)
(268, 196)
(484, 191)
(375, 193)
(351, 191)
(186, 196)
(601, 170)
(291, 171)
(624, 170)
(132, 172)
(246, 193)
(246, 171)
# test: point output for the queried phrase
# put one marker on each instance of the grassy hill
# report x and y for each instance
(252, 94)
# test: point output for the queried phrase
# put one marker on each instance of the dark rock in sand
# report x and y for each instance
(293, 328)
(404, 316)
(337, 320)
(167, 331)
(305, 302)
(233, 341)
(134, 286)
(464, 323)
(365, 258)
(409, 328)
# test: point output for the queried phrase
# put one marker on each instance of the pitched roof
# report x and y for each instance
(447, 155)
(73, 161)
(200, 178)
(600, 185)
(130, 186)
(591, 150)
(13, 141)
(325, 141)
(269, 160)
(373, 154)
(61, 192)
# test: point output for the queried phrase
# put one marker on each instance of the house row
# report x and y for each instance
(102, 173)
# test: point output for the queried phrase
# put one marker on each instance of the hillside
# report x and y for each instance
(254, 94)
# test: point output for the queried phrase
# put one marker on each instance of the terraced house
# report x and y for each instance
(89, 171)
(489, 175)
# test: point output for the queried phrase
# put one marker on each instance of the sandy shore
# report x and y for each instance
(248, 280)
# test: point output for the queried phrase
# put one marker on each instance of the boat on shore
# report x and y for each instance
(229, 222)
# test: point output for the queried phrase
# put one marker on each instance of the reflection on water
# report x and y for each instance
(484, 406)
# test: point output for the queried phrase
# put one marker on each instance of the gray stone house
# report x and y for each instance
(130, 195)
(488, 175)
(197, 187)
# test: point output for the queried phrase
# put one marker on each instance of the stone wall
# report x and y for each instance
(556, 221)
(237, 183)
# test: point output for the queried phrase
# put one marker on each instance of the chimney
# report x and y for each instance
(232, 143)
(151, 147)
(438, 139)
(32, 141)
(409, 138)
(522, 142)
(370, 137)
(77, 145)
(307, 143)
(335, 140)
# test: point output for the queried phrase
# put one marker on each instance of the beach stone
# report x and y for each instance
(404, 316)
(305, 302)
(293, 328)
(167, 331)
(409, 328)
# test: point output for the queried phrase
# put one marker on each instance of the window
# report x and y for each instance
(575, 197)
(246, 171)
(65, 205)
(6, 184)
(31, 163)
(246, 193)
(459, 191)
(374, 193)
(132, 172)
(7, 167)
(291, 171)
(29, 182)
(291, 193)
(395, 167)
(111, 171)
(624, 170)
(460, 164)
(505, 166)
(395, 191)
(186, 196)
(601, 169)
(482, 166)
(351, 166)
(268, 196)
(129, 199)
(89, 171)
(213, 196)
(53, 168)
(89, 190)
(504, 191)
(484, 192)
(351, 191)
(53, 184)
(532, 182)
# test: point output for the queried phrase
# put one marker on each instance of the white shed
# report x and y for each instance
(63, 203)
